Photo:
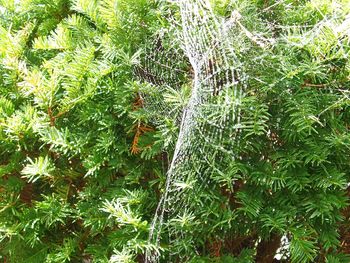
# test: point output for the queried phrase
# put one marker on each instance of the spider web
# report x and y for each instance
(205, 48)
(209, 124)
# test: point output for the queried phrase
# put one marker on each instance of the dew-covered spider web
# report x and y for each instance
(203, 51)
(200, 47)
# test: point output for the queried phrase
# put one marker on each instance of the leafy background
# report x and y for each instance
(82, 165)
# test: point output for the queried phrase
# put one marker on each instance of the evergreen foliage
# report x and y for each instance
(83, 164)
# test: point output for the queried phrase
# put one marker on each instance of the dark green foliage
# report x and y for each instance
(82, 165)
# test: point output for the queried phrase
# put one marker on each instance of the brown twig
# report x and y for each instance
(314, 85)
(140, 130)
(54, 117)
(215, 248)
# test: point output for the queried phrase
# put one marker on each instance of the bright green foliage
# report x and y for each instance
(82, 165)
(70, 187)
